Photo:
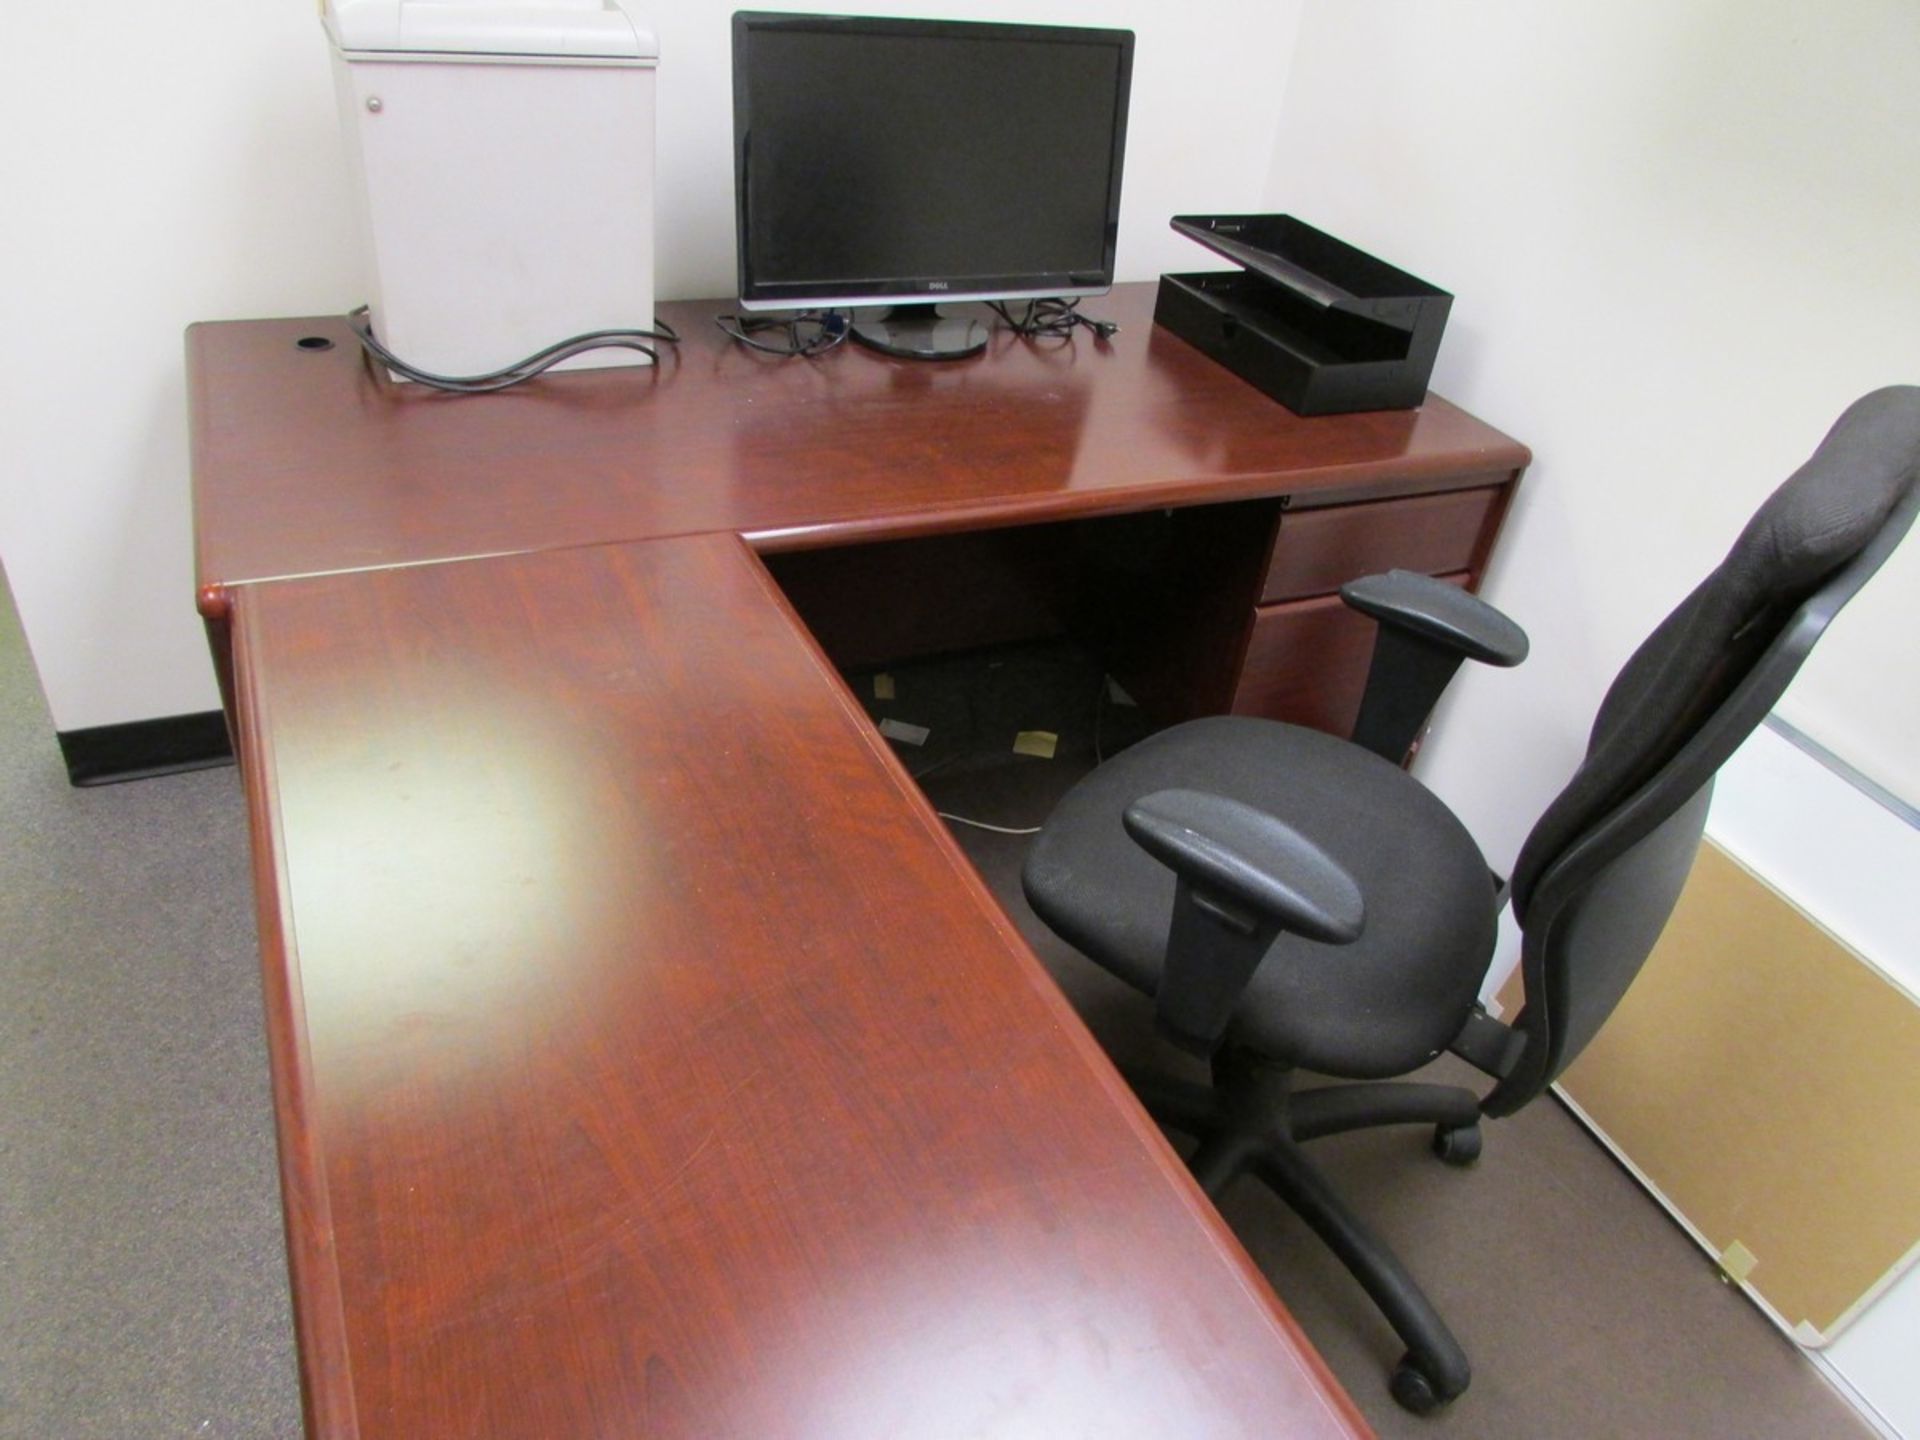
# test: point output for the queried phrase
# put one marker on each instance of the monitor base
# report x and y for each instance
(921, 332)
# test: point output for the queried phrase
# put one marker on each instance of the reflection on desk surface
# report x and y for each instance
(721, 1099)
(307, 461)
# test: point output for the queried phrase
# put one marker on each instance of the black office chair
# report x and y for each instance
(1292, 900)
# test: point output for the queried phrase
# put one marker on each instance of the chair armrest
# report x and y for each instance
(1427, 627)
(1242, 878)
(1235, 853)
(1442, 613)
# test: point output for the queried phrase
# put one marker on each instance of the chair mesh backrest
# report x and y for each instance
(1821, 518)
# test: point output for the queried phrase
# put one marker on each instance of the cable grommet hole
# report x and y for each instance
(314, 342)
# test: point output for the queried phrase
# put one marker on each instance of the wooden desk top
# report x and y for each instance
(308, 461)
(613, 1101)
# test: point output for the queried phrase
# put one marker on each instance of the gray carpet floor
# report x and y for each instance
(142, 1279)
(142, 1272)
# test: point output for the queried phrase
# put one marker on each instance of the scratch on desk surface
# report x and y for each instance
(674, 1180)
(583, 1249)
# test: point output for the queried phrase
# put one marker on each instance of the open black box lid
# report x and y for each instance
(1316, 323)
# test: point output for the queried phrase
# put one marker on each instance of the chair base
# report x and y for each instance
(1252, 1119)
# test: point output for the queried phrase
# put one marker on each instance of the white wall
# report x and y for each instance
(163, 163)
(173, 163)
(1681, 234)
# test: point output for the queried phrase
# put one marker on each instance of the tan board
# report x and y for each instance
(1766, 1082)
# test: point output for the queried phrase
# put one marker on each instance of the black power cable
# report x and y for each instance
(540, 361)
(810, 332)
(1052, 319)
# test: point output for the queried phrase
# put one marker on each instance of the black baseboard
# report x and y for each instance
(107, 754)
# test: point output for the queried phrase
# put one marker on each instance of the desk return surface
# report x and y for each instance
(649, 1061)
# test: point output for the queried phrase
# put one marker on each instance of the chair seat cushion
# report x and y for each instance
(1381, 1006)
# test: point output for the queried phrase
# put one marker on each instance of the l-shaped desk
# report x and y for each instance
(646, 1058)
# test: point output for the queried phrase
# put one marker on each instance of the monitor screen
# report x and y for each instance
(900, 161)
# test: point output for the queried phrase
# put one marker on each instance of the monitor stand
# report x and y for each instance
(921, 332)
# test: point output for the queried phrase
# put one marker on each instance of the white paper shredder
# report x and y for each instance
(503, 154)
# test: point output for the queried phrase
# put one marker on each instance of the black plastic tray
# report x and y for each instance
(1317, 324)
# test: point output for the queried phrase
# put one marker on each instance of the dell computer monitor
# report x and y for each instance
(906, 162)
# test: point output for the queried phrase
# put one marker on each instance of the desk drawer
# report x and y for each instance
(1318, 551)
(1307, 663)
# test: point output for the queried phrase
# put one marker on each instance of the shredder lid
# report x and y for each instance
(602, 30)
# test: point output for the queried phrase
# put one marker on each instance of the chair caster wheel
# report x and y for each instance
(1411, 1388)
(1457, 1144)
(1417, 1392)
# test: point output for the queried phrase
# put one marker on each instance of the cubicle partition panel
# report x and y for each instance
(1755, 1080)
